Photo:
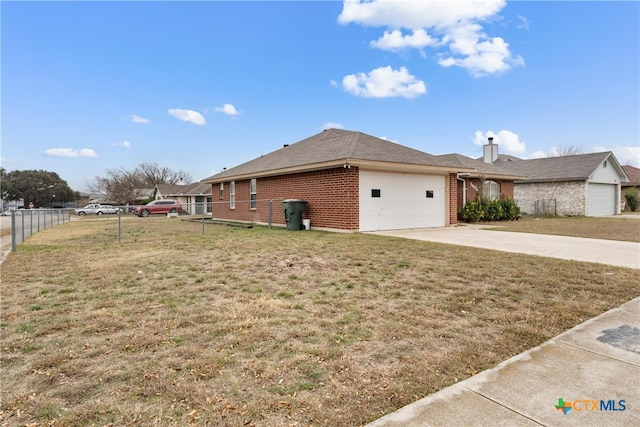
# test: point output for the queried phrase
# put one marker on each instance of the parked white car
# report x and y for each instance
(97, 209)
(9, 211)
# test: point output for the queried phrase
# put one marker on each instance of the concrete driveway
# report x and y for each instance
(610, 252)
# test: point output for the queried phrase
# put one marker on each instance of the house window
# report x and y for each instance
(490, 190)
(221, 190)
(253, 199)
(375, 192)
(232, 195)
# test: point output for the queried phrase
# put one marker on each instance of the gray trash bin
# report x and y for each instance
(293, 209)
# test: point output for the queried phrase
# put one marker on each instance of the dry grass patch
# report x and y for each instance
(266, 327)
(623, 229)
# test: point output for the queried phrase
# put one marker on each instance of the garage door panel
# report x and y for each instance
(402, 201)
(601, 199)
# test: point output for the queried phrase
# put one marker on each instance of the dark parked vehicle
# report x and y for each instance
(159, 207)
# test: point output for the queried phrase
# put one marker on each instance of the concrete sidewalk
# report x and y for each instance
(621, 254)
(592, 369)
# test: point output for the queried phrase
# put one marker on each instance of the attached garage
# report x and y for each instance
(390, 201)
(601, 199)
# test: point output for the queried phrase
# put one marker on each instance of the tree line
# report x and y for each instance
(119, 186)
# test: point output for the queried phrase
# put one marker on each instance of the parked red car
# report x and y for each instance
(159, 207)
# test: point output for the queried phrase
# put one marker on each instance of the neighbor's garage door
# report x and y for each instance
(392, 201)
(602, 199)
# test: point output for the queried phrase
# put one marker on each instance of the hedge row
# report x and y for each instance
(502, 209)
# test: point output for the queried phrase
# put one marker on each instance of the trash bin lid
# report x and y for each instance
(294, 201)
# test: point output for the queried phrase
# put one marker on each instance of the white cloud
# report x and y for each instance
(626, 155)
(384, 82)
(4, 160)
(482, 58)
(228, 109)
(332, 125)
(417, 14)
(123, 144)
(395, 41)
(334, 83)
(508, 141)
(524, 23)
(452, 24)
(70, 152)
(137, 119)
(188, 116)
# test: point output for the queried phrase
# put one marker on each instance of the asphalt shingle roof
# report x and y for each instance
(196, 188)
(566, 168)
(633, 174)
(481, 168)
(330, 146)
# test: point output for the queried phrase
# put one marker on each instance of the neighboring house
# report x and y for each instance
(193, 197)
(582, 184)
(351, 181)
(633, 174)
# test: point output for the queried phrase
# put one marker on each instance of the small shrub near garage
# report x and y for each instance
(502, 209)
(632, 198)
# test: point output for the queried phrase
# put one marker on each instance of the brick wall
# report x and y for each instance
(474, 189)
(453, 199)
(332, 195)
(570, 197)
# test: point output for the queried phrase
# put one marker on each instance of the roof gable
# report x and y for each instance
(331, 146)
(578, 167)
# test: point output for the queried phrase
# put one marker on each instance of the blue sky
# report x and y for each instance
(198, 86)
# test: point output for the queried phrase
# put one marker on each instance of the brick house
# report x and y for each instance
(351, 181)
(577, 185)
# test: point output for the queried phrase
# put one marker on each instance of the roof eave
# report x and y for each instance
(496, 176)
(367, 164)
(551, 179)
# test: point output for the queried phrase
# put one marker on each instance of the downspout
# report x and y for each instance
(464, 189)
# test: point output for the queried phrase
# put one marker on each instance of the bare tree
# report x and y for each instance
(119, 186)
(566, 150)
(122, 186)
(153, 175)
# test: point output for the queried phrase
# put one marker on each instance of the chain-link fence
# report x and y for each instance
(538, 208)
(123, 219)
(25, 222)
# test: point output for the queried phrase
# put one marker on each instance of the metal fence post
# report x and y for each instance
(13, 231)
(119, 226)
(204, 208)
(269, 210)
(22, 216)
(38, 220)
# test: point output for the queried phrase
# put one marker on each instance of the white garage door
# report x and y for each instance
(602, 199)
(392, 201)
